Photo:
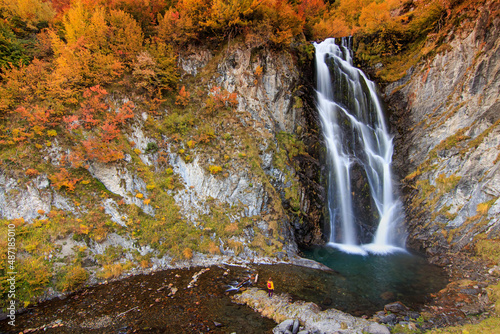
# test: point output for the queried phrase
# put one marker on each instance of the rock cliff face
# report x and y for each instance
(243, 194)
(447, 113)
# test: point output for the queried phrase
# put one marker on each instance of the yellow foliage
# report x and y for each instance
(111, 271)
(483, 208)
(258, 71)
(215, 169)
(32, 12)
(35, 275)
(73, 278)
(84, 229)
(139, 195)
(145, 263)
(125, 36)
(187, 253)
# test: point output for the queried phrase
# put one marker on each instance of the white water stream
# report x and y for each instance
(349, 102)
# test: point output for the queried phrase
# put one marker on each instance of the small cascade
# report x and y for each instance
(357, 139)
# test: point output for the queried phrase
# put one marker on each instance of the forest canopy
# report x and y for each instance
(53, 51)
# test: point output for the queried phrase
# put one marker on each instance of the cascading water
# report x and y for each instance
(355, 134)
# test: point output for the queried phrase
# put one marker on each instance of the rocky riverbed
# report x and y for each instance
(202, 300)
(172, 301)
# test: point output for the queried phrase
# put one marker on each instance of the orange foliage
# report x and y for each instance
(97, 44)
(183, 98)
(64, 179)
(25, 84)
(219, 99)
(32, 172)
(277, 21)
(330, 27)
(96, 149)
(35, 116)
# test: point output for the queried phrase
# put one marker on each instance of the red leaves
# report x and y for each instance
(109, 131)
(102, 124)
(39, 117)
(126, 112)
(71, 121)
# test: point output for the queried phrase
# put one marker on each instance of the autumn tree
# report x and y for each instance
(98, 44)
(34, 14)
(125, 35)
(155, 69)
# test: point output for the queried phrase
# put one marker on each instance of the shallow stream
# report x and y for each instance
(141, 304)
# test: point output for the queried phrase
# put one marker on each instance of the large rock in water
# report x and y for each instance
(281, 310)
(448, 147)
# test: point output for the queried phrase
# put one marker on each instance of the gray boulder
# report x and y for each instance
(284, 327)
(375, 328)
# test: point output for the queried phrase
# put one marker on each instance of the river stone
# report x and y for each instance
(295, 327)
(375, 328)
(389, 319)
(396, 307)
(283, 327)
(413, 315)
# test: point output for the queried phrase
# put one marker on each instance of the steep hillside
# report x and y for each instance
(138, 135)
(210, 172)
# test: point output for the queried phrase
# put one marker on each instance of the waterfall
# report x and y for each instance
(355, 134)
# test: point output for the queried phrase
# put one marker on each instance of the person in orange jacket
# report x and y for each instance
(270, 287)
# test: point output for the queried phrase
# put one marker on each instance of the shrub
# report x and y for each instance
(73, 278)
(32, 172)
(213, 249)
(64, 179)
(215, 169)
(111, 271)
(236, 246)
(179, 124)
(152, 147)
(183, 98)
(187, 253)
(34, 275)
